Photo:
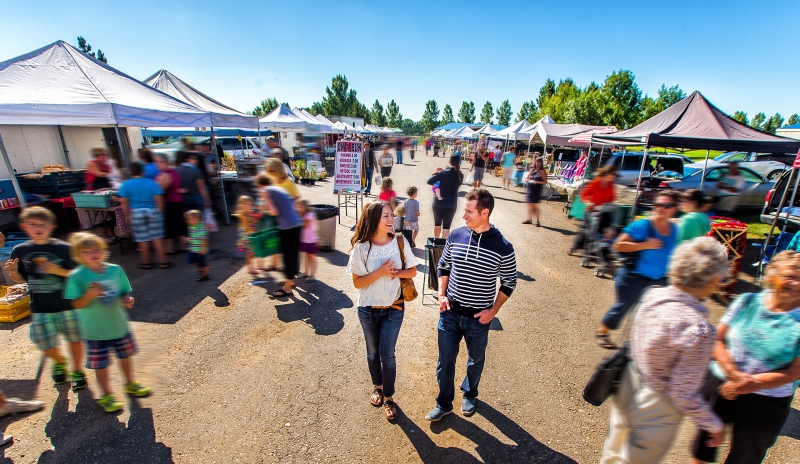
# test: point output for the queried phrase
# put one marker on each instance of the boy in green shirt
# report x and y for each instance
(98, 291)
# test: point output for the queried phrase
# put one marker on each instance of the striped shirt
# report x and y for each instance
(473, 262)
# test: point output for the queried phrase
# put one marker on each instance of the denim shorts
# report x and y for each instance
(478, 174)
(45, 328)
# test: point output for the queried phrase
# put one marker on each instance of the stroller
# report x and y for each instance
(600, 236)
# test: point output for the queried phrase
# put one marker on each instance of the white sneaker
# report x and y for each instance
(16, 405)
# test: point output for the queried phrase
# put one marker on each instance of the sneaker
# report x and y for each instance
(78, 381)
(109, 403)
(436, 414)
(136, 389)
(59, 372)
(468, 406)
(16, 405)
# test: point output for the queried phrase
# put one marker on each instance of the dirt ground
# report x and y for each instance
(239, 377)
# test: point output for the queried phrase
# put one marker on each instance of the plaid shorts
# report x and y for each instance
(97, 356)
(45, 328)
(147, 224)
(411, 225)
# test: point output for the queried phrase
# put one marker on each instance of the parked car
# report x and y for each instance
(752, 196)
(769, 165)
(629, 165)
(246, 148)
(772, 203)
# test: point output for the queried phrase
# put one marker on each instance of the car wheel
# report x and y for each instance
(775, 175)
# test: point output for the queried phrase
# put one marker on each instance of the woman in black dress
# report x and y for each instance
(537, 179)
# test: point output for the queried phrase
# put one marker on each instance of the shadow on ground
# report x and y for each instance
(491, 450)
(316, 304)
(791, 428)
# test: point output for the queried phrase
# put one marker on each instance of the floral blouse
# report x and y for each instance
(671, 342)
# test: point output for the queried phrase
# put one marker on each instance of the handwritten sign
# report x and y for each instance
(348, 166)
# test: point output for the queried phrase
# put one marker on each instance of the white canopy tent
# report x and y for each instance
(487, 130)
(560, 134)
(221, 115)
(282, 119)
(327, 122)
(313, 123)
(514, 132)
(462, 133)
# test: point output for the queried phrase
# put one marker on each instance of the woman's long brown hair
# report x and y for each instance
(367, 225)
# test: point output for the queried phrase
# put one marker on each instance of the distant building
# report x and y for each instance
(792, 131)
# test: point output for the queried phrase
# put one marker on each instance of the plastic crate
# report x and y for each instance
(92, 200)
(55, 184)
(15, 311)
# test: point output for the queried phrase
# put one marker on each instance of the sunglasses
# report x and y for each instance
(665, 205)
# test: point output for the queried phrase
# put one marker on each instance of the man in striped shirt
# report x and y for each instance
(473, 258)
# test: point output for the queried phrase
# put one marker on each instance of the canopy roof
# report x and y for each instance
(584, 138)
(462, 133)
(59, 85)
(313, 123)
(282, 119)
(221, 115)
(489, 129)
(695, 123)
(562, 134)
(514, 132)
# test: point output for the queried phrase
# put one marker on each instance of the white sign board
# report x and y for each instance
(348, 166)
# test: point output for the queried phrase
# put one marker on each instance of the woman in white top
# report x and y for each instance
(385, 161)
(377, 266)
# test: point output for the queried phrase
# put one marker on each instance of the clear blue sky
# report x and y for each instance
(742, 55)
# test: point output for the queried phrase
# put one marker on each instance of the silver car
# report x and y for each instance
(769, 165)
(753, 194)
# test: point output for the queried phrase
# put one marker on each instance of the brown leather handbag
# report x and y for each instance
(408, 290)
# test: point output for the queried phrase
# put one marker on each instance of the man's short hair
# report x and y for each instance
(484, 199)
(136, 168)
(271, 140)
(39, 213)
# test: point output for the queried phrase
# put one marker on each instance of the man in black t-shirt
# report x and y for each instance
(44, 263)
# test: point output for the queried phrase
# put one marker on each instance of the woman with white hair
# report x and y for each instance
(670, 346)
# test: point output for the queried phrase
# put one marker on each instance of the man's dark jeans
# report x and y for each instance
(369, 170)
(452, 328)
(629, 288)
(381, 329)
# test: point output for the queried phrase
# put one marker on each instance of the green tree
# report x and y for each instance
(773, 123)
(316, 108)
(393, 116)
(504, 113)
(741, 116)
(447, 115)
(555, 105)
(487, 113)
(547, 91)
(621, 99)
(376, 115)
(667, 96)
(467, 112)
(341, 100)
(793, 119)
(86, 48)
(758, 121)
(524, 111)
(265, 107)
(410, 127)
(430, 118)
(584, 109)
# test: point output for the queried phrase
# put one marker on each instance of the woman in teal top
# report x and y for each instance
(756, 367)
(694, 222)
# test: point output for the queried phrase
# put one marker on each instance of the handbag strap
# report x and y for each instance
(401, 246)
(629, 323)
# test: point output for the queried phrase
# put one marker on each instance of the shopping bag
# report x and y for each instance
(470, 178)
(378, 180)
(209, 221)
(265, 242)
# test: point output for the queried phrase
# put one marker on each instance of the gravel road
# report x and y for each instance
(239, 377)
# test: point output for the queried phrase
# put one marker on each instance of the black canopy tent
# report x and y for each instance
(695, 123)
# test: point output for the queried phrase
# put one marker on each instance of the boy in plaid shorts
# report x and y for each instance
(98, 291)
(44, 263)
(143, 202)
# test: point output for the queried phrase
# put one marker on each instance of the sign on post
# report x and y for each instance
(348, 166)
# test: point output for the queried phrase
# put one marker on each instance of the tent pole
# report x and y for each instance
(703, 178)
(778, 211)
(123, 151)
(146, 138)
(791, 205)
(219, 176)
(12, 175)
(638, 184)
(63, 146)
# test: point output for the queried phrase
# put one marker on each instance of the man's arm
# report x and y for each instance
(508, 282)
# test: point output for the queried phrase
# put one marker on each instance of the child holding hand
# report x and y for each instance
(99, 290)
(412, 213)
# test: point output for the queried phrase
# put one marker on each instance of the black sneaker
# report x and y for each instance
(59, 372)
(78, 381)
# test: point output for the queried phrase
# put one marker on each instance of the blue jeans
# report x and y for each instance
(452, 328)
(399, 156)
(381, 328)
(369, 171)
(628, 288)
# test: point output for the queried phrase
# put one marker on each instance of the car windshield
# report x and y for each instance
(687, 171)
(722, 157)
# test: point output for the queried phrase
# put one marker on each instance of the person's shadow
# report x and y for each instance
(791, 428)
(491, 450)
(91, 435)
(319, 307)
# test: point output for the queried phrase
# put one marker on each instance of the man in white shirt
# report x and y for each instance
(729, 188)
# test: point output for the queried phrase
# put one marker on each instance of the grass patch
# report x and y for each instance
(755, 228)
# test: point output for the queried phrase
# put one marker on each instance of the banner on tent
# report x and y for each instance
(348, 166)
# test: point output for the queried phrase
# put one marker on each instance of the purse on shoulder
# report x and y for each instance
(606, 377)
(408, 290)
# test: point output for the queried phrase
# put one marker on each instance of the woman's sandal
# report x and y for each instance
(202, 278)
(390, 410)
(376, 398)
(146, 267)
(604, 341)
(527, 222)
(166, 265)
(280, 293)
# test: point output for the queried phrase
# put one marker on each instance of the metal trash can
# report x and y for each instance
(326, 225)
(433, 249)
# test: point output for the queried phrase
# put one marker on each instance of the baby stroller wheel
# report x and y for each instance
(584, 262)
(598, 271)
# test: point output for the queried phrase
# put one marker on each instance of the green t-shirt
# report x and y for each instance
(105, 318)
(693, 225)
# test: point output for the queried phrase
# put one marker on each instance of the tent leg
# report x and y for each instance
(123, 150)
(146, 138)
(638, 185)
(703, 178)
(63, 147)
(219, 176)
(12, 175)
(791, 204)
(778, 211)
